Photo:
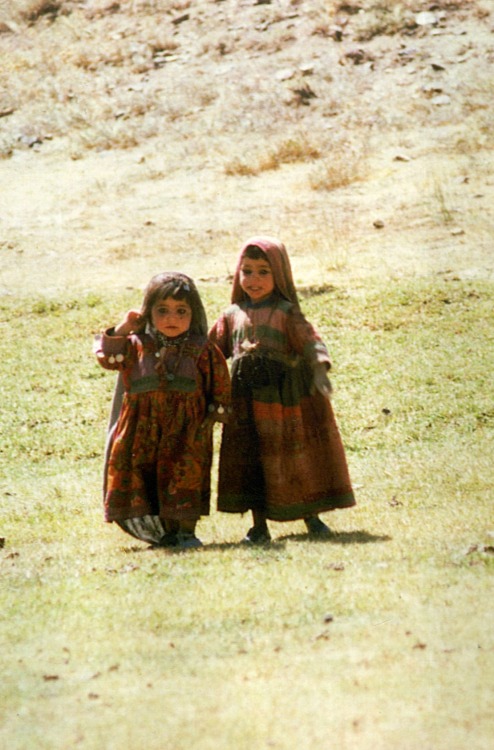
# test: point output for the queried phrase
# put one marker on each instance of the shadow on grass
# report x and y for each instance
(343, 537)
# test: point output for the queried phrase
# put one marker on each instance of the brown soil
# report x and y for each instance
(410, 110)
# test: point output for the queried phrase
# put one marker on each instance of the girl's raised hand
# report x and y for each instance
(133, 321)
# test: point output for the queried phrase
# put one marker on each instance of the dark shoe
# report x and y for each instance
(258, 535)
(316, 527)
(188, 541)
(169, 539)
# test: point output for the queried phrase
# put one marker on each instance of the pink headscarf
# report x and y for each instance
(280, 265)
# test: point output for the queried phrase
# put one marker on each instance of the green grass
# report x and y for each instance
(379, 638)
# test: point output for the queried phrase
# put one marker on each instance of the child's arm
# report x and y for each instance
(321, 382)
(112, 346)
(216, 378)
(309, 344)
(220, 335)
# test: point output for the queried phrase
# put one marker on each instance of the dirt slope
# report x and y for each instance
(142, 135)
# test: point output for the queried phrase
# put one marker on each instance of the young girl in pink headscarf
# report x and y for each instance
(281, 453)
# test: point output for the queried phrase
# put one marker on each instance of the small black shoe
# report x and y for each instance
(258, 535)
(169, 539)
(316, 527)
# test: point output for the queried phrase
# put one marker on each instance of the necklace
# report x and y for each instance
(165, 343)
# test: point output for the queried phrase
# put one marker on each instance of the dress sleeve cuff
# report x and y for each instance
(111, 344)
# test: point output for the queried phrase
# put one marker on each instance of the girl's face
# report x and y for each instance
(172, 317)
(256, 279)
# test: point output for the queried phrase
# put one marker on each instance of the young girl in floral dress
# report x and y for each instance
(281, 453)
(175, 385)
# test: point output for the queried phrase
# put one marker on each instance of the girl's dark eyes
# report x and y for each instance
(182, 311)
(262, 272)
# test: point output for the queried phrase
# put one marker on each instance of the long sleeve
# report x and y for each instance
(216, 378)
(305, 340)
(112, 351)
(220, 335)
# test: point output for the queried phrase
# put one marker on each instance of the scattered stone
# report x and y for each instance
(7, 111)
(426, 18)
(303, 95)
(401, 157)
(457, 232)
(5, 28)
(378, 224)
(30, 140)
(437, 66)
(336, 33)
(307, 69)
(285, 75)
(431, 89)
(441, 100)
(358, 56)
(407, 54)
(181, 19)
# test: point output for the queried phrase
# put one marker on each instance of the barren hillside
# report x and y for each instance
(143, 134)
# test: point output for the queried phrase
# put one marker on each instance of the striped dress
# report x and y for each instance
(281, 451)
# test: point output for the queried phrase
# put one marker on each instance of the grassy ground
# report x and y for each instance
(150, 134)
(380, 637)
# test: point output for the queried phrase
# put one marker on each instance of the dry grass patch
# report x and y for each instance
(289, 151)
(345, 164)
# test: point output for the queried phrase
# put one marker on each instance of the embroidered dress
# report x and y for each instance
(159, 455)
(281, 452)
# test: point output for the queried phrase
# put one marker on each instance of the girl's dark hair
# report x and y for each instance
(179, 287)
(255, 253)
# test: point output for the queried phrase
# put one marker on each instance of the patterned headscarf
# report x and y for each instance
(279, 261)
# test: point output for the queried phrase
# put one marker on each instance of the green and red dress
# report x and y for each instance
(281, 451)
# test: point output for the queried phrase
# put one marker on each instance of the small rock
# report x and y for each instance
(401, 157)
(285, 75)
(180, 19)
(426, 18)
(378, 224)
(358, 56)
(437, 66)
(457, 232)
(441, 100)
(336, 33)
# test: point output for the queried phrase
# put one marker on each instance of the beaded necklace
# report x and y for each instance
(165, 343)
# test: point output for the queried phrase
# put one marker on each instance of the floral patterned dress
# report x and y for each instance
(159, 461)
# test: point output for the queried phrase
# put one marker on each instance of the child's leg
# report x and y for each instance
(316, 527)
(187, 534)
(187, 527)
(259, 533)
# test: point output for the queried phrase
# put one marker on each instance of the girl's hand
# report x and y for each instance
(133, 321)
(321, 382)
